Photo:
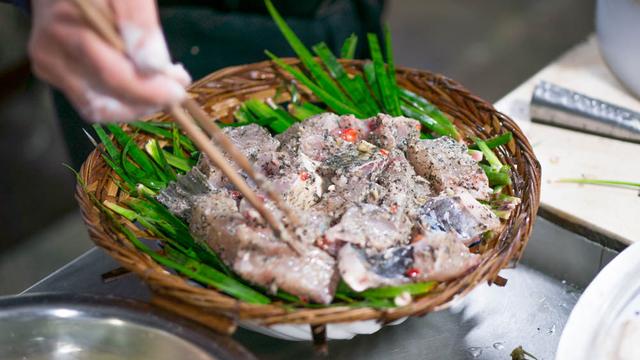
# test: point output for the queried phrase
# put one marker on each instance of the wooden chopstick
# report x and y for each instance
(104, 26)
(101, 23)
(219, 136)
(217, 157)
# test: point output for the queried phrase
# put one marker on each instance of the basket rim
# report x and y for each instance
(209, 299)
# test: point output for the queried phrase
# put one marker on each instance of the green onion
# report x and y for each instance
(430, 110)
(112, 150)
(305, 110)
(388, 96)
(160, 129)
(210, 276)
(136, 154)
(370, 74)
(169, 227)
(180, 163)
(489, 155)
(391, 69)
(263, 112)
(387, 291)
(336, 104)
(279, 126)
(129, 167)
(426, 136)
(284, 115)
(601, 182)
(157, 154)
(243, 116)
(496, 141)
(276, 118)
(177, 144)
(112, 156)
(393, 291)
(360, 95)
(497, 177)
(425, 120)
(142, 189)
(348, 50)
(198, 272)
(324, 81)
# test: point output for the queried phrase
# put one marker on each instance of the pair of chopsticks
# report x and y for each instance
(102, 22)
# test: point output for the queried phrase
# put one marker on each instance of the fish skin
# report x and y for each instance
(441, 257)
(446, 164)
(461, 215)
(362, 272)
(366, 214)
(254, 253)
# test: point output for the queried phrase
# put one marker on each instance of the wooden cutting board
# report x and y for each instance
(598, 212)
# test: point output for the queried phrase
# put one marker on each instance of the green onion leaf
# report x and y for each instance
(160, 129)
(324, 81)
(180, 163)
(601, 182)
(430, 110)
(489, 155)
(393, 291)
(157, 154)
(497, 177)
(360, 95)
(348, 50)
(136, 154)
(496, 141)
(370, 74)
(391, 69)
(387, 93)
(305, 110)
(425, 120)
(336, 104)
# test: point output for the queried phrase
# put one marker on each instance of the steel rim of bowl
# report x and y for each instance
(134, 312)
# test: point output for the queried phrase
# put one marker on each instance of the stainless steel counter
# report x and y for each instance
(530, 310)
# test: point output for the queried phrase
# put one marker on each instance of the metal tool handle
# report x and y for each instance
(555, 105)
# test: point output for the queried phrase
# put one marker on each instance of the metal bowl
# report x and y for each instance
(69, 326)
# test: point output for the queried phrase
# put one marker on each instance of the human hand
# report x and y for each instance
(102, 83)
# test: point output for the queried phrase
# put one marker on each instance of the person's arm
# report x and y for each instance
(101, 83)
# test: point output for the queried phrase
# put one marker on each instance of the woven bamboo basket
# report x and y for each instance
(219, 94)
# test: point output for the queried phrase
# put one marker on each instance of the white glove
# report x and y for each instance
(103, 84)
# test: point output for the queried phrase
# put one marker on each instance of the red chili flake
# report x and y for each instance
(235, 194)
(304, 299)
(384, 152)
(416, 237)
(419, 127)
(322, 242)
(304, 176)
(412, 272)
(393, 209)
(349, 135)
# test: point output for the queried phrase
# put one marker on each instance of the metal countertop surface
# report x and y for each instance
(489, 323)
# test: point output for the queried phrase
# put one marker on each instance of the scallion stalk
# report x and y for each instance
(602, 182)
(324, 80)
(335, 103)
(348, 50)
(388, 95)
(359, 95)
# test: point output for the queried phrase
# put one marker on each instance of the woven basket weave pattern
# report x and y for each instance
(221, 92)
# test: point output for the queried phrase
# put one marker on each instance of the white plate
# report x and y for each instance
(343, 331)
(605, 323)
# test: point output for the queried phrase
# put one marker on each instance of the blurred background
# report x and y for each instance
(490, 46)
